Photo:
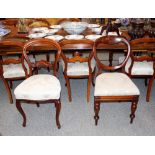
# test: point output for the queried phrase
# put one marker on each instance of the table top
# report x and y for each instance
(14, 35)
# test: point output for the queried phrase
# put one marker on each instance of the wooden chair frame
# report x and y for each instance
(98, 99)
(40, 64)
(148, 57)
(10, 44)
(78, 45)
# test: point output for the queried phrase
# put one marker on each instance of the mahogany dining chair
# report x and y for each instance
(141, 64)
(113, 86)
(11, 67)
(40, 88)
(79, 65)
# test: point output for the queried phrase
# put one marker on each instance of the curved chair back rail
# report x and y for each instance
(9, 44)
(111, 40)
(77, 56)
(31, 45)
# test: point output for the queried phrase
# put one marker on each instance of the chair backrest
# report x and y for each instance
(146, 54)
(109, 41)
(35, 21)
(7, 45)
(68, 20)
(43, 45)
(10, 22)
(78, 56)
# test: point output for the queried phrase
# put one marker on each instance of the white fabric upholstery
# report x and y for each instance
(78, 68)
(115, 84)
(39, 87)
(139, 68)
(13, 70)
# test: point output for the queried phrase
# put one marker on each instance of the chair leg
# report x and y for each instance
(149, 89)
(18, 105)
(11, 84)
(48, 59)
(38, 105)
(110, 58)
(58, 108)
(145, 81)
(96, 110)
(88, 88)
(68, 87)
(93, 77)
(133, 109)
(8, 90)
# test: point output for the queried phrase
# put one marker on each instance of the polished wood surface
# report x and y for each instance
(14, 35)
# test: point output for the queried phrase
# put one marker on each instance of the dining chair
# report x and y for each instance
(115, 85)
(11, 67)
(10, 22)
(141, 64)
(40, 88)
(78, 65)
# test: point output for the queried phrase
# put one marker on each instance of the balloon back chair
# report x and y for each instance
(40, 88)
(115, 85)
(11, 67)
(141, 64)
(79, 65)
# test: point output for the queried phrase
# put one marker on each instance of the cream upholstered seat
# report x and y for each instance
(115, 84)
(139, 68)
(39, 87)
(78, 68)
(13, 70)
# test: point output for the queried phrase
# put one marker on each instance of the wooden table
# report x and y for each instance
(23, 37)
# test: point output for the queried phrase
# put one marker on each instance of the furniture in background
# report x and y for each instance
(11, 67)
(113, 86)
(141, 64)
(38, 22)
(79, 65)
(41, 88)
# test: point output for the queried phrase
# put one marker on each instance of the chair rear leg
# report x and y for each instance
(11, 84)
(149, 89)
(145, 81)
(88, 88)
(18, 105)
(68, 87)
(58, 108)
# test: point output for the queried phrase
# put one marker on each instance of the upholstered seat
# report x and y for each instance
(115, 84)
(139, 68)
(13, 70)
(78, 68)
(39, 87)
